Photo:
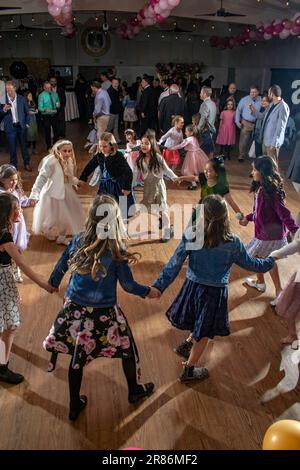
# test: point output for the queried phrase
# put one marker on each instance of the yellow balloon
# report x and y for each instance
(283, 435)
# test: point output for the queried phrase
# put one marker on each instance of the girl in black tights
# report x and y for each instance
(90, 323)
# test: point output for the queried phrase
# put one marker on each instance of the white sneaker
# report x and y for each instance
(274, 302)
(256, 285)
(62, 240)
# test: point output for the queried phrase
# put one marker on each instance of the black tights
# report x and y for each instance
(226, 149)
(75, 379)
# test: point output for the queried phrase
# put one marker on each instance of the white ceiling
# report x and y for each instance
(255, 10)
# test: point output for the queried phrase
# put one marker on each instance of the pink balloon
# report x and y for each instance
(269, 29)
(252, 35)
(165, 14)
(68, 2)
(154, 2)
(49, 2)
(296, 16)
(58, 3)
(297, 21)
(142, 13)
(53, 10)
(287, 24)
(159, 18)
(284, 34)
(278, 28)
(164, 5)
(173, 3)
(267, 36)
(295, 30)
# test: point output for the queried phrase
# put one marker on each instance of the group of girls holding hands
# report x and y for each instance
(91, 323)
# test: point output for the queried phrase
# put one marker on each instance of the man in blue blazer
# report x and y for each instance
(15, 116)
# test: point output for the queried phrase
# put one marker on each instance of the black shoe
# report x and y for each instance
(73, 414)
(184, 349)
(241, 160)
(10, 377)
(146, 390)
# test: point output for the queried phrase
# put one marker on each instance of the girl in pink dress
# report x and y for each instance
(195, 159)
(226, 134)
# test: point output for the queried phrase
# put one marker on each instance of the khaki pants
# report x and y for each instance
(113, 126)
(102, 123)
(245, 138)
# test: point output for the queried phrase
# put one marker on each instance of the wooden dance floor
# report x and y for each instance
(252, 383)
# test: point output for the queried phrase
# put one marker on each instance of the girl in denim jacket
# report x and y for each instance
(201, 305)
(90, 323)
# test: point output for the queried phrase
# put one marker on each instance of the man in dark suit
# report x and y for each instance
(61, 120)
(15, 116)
(232, 93)
(172, 105)
(147, 106)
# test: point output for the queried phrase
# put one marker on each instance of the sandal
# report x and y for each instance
(73, 414)
(146, 390)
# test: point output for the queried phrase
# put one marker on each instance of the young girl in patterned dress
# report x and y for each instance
(10, 181)
(271, 219)
(91, 324)
(9, 297)
(172, 138)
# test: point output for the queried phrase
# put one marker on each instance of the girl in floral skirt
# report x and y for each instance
(91, 324)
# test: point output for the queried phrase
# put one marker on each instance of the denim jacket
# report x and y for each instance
(210, 266)
(83, 290)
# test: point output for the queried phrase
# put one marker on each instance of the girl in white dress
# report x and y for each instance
(58, 212)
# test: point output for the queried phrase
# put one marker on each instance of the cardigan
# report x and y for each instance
(116, 166)
(271, 217)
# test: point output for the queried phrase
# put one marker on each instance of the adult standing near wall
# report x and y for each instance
(147, 106)
(15, 115)
(115, 108)
(293, 172)
(231, 93)
(274, 122)
(48, 106)
(102, 104)
(61, 119)
(245, 120)
(206, 126)
(172, 105)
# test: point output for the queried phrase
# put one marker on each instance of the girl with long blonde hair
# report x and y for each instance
(91, 324)
(58, 212)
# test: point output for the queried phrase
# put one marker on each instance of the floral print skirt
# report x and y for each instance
(87, 333)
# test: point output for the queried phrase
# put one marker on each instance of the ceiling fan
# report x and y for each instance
(221, 13)
(23, 28)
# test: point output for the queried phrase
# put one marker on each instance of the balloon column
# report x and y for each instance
(261, 32)
(155, 11)
(61, 11)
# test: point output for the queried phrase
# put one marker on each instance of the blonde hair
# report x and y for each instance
(87, 258)
(63, 163)
(176, 119)
(109, 139)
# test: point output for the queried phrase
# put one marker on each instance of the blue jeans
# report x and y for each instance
(12, 135)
